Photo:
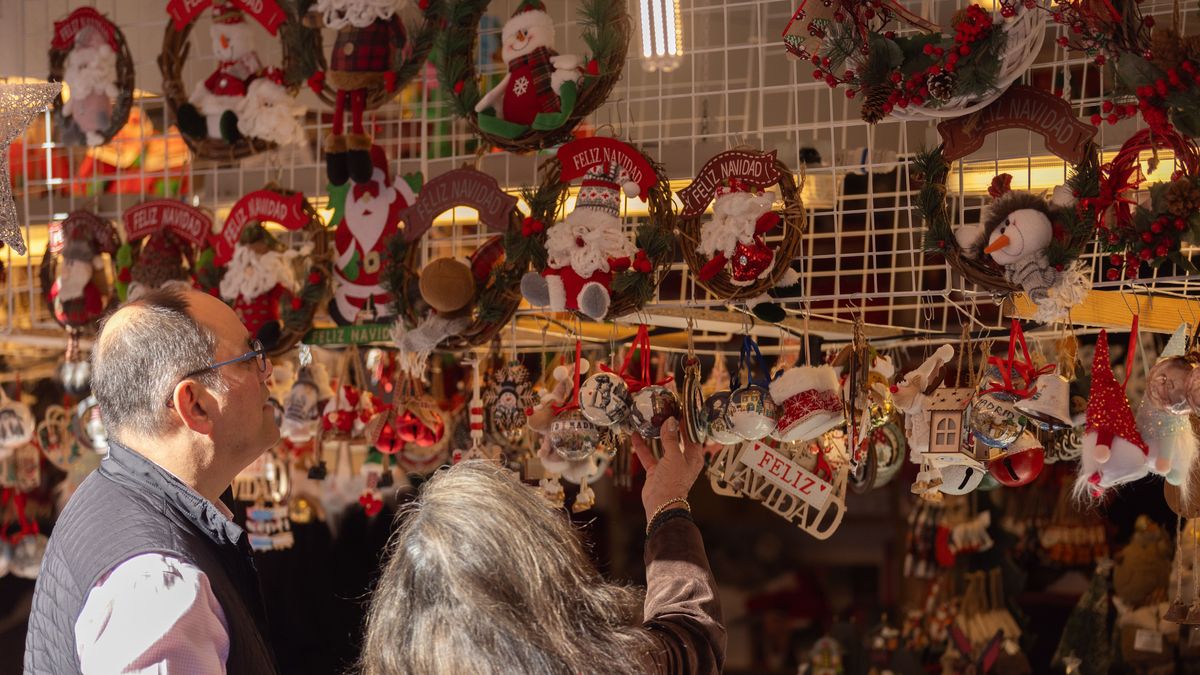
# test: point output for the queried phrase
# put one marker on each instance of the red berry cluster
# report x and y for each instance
(975, 24)
(1159, 240)
(1151, 98)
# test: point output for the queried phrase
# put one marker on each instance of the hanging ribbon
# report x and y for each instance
(641, 344)
(1129, 353)
(28, 526)
(1026, 368)
(750, 353)
(573, 399)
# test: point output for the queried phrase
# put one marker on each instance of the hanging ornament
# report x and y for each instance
(695, 419)
(651, 403)
(28, 544)
(604, 398)
(571, 434)
(751, 413)
(19, 104)
(507, 399)
(719, 428)
(16, 423)
(1022, 464)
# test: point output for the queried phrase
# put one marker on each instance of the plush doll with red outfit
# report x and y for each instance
(734, 236)
(1114, 451)
(259, 277)
(76, 293)
(215, 101)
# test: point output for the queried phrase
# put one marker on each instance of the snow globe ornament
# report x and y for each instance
(994, 420)
(27, 555)
(573, 436)
(604, 399)
(16, 423)
(719, 429)
(752, 413)
(652, 407)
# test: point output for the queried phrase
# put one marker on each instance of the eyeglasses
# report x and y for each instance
(257, 352)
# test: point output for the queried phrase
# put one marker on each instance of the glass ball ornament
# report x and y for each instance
(752, 413)
(1193, 389)
(1167, 387)
(994, 420)
(652, 407)
(604, 399)
(719, 429)
(573, 436)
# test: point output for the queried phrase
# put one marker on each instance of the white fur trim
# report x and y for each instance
(789, 278)
(249, 275)
(558, 294)
(339, 14)
(803, 378)
(602, 238)
(526, 21)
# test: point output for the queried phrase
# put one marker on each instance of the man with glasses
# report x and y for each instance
(146, 572)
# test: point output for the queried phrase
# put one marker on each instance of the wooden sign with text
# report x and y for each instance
(578, 157)
(751, 168)
(460, 187)
(149, 217)
(1021, 107)
(259, 206)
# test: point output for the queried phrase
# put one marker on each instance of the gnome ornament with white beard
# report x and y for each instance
(1114, 451)
(540, 88)
(259, 277)
(734, 236)
(585, 248)
(269, 112)
(212, 111)
(370, 216)
(90, 71)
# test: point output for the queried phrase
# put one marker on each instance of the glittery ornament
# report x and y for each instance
(752, 413)
(1167, 388)
(19, 104)
(719, 429)
(652, 407)
(572, 436)
(750, 262)
(604, 399)
(994, 420)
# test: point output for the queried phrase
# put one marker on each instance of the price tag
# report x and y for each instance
(1148, 641)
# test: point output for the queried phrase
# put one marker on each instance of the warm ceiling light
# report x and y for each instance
(662, 35)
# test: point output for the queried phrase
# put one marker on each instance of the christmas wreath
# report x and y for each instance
(545, 95)
(76, 279)
(1151, 232)
(241, 108)
(1052, 233)
(924, 75)
(90, 55)
(248, 267)
(585, 262)
(449, 304)
(729, 255)
(162, 239)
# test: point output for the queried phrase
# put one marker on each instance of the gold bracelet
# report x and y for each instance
(677, 500)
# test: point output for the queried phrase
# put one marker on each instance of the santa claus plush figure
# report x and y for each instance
(370, 216)
(586, 248)
(540, 88)
(269, 112)
(219, 96)
(90, 71)
(1114, 451)
(76, 294)
(734, 236)
(370, 36)
(259, 277)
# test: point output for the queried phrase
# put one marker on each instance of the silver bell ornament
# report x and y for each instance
(1050, 406)
(604, 399)
(573, 436)
(752, 413)
(719, 429)
(994, 420)
(652, 406)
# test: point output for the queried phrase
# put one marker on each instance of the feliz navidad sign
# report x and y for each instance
(1021, 107)
(460, 187)
(149, 217)
(82, 18)
(259, 206)
(266, 12)
(363, 334)
(751, 168)
(578, 157)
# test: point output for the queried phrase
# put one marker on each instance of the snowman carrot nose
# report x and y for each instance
(1000, 243)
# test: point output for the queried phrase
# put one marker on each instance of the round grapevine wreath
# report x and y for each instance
(1151, 232)
(1073, 225)
(497, 279)
(290, 209)
(606, 31)
(525, 246)
(924, 75)
(304, 53)
(81, 238)
(748, 168)
(65, 33)
(172, 59)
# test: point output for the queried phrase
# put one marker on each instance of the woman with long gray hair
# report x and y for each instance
(486, 577)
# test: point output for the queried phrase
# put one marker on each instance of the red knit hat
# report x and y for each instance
(1108, 409)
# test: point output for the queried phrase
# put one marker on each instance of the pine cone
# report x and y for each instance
(872, 106)
(1166, 48)
(941, 85)
(1182, 198)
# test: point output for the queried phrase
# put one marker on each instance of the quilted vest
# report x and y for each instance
(127, 507)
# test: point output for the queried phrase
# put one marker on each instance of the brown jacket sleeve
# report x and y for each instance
(683, 613)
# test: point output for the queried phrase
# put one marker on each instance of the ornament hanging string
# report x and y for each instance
(1131, 351)
(28, 525)
(573, 400)
(750, 358)
(1026, 368)
(641, 344)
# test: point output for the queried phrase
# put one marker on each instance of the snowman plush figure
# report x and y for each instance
(539, 90)
(219, 96)
(585, 248)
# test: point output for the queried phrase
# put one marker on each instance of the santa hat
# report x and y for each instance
(272, 74)
(1108, 410)
(528, 14)
(379, 160)
(98, 233)
(809, 402)
(601, 189)
(227, 12)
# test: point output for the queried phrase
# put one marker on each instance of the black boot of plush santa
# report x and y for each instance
(336, 168)
(191, 122)
(358, 158)
(229, 127)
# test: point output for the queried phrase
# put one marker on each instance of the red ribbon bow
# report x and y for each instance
(1025, 368)
(641, 343)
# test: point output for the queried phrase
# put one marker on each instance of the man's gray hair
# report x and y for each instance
(137, 362)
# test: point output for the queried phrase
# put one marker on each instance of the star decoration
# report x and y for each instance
(19, 104)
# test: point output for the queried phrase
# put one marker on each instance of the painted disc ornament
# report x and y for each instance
(695, 420)
(994, 420)
(719, 429)
(652, 407)
(752, 413)
(1167, 388)
(572, 436)
(604, 399)
(16, 423)
(508, 395)
(889, 446)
